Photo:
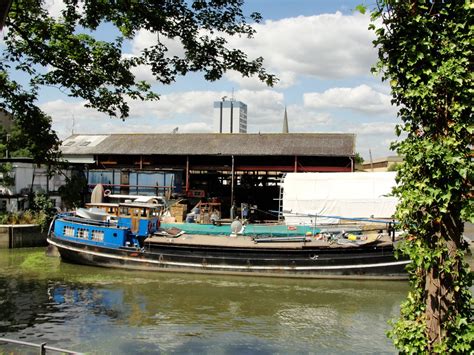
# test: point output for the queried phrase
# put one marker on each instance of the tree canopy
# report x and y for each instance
(425, 52)
(63, 52)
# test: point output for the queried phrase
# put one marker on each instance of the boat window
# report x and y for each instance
(68, 231)
(124, 211)
(144, 212)
(98, 236)
(82, 233)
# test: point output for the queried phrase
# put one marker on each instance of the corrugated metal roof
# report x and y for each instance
(301, 144)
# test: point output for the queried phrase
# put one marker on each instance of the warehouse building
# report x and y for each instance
(230, 168)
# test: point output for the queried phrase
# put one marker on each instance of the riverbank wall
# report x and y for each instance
(14, 236)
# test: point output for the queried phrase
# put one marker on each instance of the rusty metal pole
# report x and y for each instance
(232, 189)
(187, 174)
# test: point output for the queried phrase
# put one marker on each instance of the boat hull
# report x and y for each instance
(308, 262)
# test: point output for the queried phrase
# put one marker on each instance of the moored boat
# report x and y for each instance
(131, 241)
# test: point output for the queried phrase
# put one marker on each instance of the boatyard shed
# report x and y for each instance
(232, 168)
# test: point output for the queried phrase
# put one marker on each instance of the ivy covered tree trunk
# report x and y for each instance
(425, 51)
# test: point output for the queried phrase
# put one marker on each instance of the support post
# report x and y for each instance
(296, 163)
(220, 117)
(187, 174)
(231, 117)
(232, 189)
(43, 349)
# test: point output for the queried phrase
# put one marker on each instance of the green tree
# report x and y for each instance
(63, 52)
(72, 193)
(43, 208)
(358, 158)
(6, 179)
(425, 51)
(13, 141)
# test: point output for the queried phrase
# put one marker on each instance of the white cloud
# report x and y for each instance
(191, 103)
(301, 120)
(285, 80)
(375, 128)
(373, 137)
(55, 7)
(144, 39)
(197, 106)
(63, 111)
(143, 72)
(324, 46)
(361, 98)
(191, 111)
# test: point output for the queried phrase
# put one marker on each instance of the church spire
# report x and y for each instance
(285, 122)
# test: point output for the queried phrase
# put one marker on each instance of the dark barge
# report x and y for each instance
(130, 242)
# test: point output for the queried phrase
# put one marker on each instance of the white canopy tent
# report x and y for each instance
(333, 195)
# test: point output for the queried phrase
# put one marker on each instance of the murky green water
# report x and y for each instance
(122, 312)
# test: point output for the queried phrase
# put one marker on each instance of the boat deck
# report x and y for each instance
(249, 242)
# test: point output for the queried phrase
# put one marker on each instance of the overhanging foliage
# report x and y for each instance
(64, 52)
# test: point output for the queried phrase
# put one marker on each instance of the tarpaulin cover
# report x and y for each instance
(350, 195)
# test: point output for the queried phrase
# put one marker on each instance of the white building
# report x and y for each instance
(230, 117)
(28, 177)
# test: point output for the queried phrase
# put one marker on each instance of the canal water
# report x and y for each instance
(98, 310)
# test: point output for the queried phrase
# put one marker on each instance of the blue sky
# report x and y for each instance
(322, 52)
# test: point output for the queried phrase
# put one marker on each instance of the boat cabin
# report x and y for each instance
(141, 218)
(135, 222)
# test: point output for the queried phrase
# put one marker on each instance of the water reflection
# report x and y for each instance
(103, 310)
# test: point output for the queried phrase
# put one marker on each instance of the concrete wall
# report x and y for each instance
(21, 236)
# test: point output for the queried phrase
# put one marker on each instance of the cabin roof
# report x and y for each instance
(102, 204)
(270, 144)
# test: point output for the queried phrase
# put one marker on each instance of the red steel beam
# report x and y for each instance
(292, 168)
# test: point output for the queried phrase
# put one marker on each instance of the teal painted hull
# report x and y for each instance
(250, 230)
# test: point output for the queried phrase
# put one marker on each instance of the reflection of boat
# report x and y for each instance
(130, 241)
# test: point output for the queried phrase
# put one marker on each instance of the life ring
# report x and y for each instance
(107, 192)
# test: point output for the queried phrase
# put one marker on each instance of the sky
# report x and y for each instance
(322, 52)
